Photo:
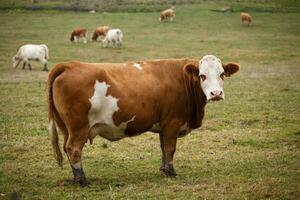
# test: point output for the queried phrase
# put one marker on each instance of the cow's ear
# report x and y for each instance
(230, 68)
(191, 69)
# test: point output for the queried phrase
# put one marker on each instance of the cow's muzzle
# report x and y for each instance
(216, 95)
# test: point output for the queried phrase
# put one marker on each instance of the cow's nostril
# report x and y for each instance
(216, 93)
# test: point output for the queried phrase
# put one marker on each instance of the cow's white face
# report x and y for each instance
(211, 73)
(212, 76)
(14, 61)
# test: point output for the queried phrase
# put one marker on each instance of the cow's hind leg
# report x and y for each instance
(45, 67)
(162, 166)
(73, 147)
(168, 144)
(29, 66)
(45, 63)
(119, 43)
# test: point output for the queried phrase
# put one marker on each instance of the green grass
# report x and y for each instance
(247, 148)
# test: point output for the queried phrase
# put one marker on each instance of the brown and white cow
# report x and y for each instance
(78, 34)
(167, 15)
(100, 31)
(124, 100)
(246, 17)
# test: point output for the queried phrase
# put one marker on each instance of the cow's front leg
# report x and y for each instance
(169, 137)
(24, 64)
(17, 64)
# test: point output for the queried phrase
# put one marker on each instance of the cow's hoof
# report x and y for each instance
(168, 171)
(83, 182)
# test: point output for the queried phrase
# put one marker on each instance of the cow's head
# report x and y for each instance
(15, 61)
(211, 72)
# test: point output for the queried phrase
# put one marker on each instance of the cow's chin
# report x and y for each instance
(215, 99)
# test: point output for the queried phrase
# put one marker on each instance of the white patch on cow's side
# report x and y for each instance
(155, 127)
(211, 67)
(100, 115)
(110, 132)
(124, 64)
(138, 66)
(156, 59)
(144, 63)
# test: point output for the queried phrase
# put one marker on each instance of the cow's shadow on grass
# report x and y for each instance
(113, 182)
(120, 181)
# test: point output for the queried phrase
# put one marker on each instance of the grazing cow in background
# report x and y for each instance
(29, 52)
(78, 34)
(100, 31)
(246, 17)
(167, 15)
(124, 100)
(113, 37)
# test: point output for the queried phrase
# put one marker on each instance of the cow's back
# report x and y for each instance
(31, 51)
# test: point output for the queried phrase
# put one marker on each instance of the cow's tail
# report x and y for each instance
(46, 51)
(55, 72)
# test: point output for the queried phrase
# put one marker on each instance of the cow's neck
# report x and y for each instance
(198, 102)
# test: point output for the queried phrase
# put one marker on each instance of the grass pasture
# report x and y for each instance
(247, 148)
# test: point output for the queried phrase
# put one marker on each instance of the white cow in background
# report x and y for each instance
(29, 52)
(113, 37)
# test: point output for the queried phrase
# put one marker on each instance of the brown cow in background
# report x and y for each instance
(246, 17)
(100, 31)
(167, 15)
(79, 34)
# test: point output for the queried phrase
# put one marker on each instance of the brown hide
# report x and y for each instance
(102, 30)
(79, 32)
(160, 92)
(166, 14)
(246, 17)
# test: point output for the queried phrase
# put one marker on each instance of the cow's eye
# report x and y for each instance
(203, 77)
(222, 76)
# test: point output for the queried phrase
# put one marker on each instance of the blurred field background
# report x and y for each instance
(248, 146)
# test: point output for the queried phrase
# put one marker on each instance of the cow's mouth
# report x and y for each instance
(216, 98)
